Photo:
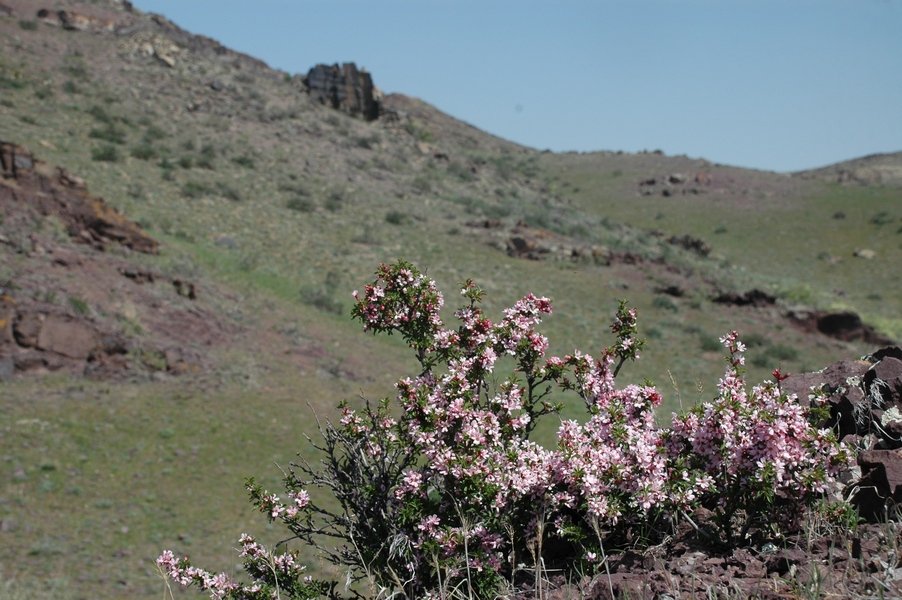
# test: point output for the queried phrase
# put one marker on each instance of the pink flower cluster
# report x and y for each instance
(614, 464)
(219, 586)
(271, 572)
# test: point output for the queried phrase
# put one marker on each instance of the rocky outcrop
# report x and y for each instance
(56, 312)
(865, 401)
(75, 21)
(344, 88)
(31, 186)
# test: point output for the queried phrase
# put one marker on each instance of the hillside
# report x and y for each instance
(269, 207)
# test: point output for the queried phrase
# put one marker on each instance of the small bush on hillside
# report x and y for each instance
(144, 151)
(334, 201)
(100, 113)
(709, 343)
(461, 172)
(323, 296)
(43, 93)
(105, 153)
(781, 352)
(396, 217)
(244, 161)
(665, 303)
(227, 191)
(154, 134)
(110, 133)
(368, 142)
(79, 306)
(882, 218)
(194, 189)
(205, 160)
(305, 205)
(422, 184)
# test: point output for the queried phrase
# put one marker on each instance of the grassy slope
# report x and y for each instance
(98, 477)
(781, 239)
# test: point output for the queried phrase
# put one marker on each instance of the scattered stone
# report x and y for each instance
(865, 253)
(184, 288)
(139, 276)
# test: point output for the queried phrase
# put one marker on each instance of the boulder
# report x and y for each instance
(881, 485)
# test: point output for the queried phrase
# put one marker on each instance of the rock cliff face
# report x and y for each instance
(344, 88)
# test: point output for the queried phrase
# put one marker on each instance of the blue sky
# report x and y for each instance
(769, 84)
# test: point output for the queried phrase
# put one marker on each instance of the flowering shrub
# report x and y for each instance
(441, 488)
(758, 453)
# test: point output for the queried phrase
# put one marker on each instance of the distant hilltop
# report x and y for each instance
(876, 169)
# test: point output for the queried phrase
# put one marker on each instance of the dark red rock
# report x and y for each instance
(781, 562)
(884, 467)
(887, 374)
